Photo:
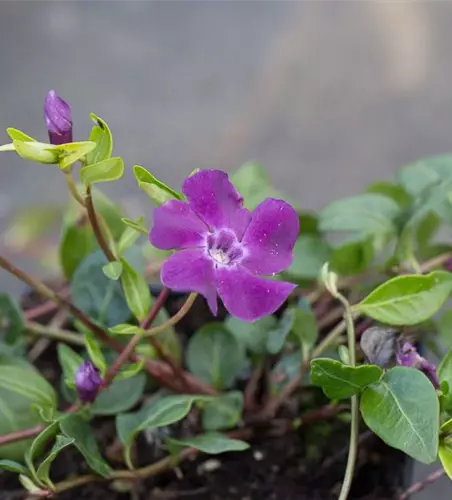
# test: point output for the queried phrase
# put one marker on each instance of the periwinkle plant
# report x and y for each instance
(276, 272)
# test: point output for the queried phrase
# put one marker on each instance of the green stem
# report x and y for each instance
(53, 333)
(72, 187)
(354, 429)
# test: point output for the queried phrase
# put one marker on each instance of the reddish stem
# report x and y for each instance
(417, 487)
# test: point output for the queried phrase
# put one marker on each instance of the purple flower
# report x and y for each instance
(58, 118)
(224, 248)
(408, 356)
(87, 382)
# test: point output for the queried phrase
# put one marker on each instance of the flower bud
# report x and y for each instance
(87, 382)
(408, 356)
(58, 118)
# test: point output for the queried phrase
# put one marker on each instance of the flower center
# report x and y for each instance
(224, 248)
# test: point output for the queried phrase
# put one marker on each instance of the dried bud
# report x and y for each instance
(87, 382)
(58, 118)
(380, 346)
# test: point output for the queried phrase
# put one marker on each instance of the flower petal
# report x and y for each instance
(212, 196)
(270, 237)
(191, 271)
(248, 297)
(176, 226)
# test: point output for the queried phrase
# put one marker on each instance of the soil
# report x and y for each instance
(282, 463)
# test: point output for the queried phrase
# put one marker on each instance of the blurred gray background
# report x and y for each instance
(328, 95)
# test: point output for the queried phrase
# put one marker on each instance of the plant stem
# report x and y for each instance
(354, 428)
(54, 333)
(417, 487)
(73, 188)
(174, 319)
(19, 435)
(94, 221)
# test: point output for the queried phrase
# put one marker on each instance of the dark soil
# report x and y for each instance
(307, 463)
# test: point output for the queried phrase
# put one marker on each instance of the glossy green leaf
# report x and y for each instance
(310, 254)
(130, 370)
(22, 389)
(107, 170)
(11, 320)
(445, 327)
(339, 381)
(409, 299)
(101, 136)
(126, 329)
(129, 237)
(224, 412)
(95, 353)
(70, 362)
(36, 448)
(445, 455)
(155, 189)
(43, 471)
(74, 427)
(215, 356)
(254, 336)
(367, 213)
(18, 135)
(113, 270)
(96, 295)
(253, 183)
(352, 257)
(37, 151)
(212, 443)
(138, 225)
(403, 410)
(136, 291)
(122, 395)
(16, 467)
(30, 486)
(162, 412)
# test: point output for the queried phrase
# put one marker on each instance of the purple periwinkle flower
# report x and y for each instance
(408, 356)
(223, 248)
(87, 382)
(58, 116)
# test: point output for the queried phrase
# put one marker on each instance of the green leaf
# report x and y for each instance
(16, 467)
(352, 257)
(70, 362)
(72, 152)
(212, 443)
(284, 371)
(126, 329)
(107, 170)
(367, 213)
(74, 427)
(130, 370)
(403, 410)
(339, 381)
(7, 147)
(113, 270)
(277, 336)
(37, 446)
(391, 190)
(445, 327)
(96, 295)
(11, 320)
(18, 135)
(22, 389)
(254, 336)
(215, 356)
(129, 237)
(30, 486)
(159, 413)
(445, 375)
(102, 137)
(305, 325)
(122, 395)
(43, 471)
(407, 300)
(155, 189)
(253, 183)
(310, 254)
(37, 151)
(224, 412)
(95, 353)
(424, 173)
(445, 455)
(136, 291)
(138, 225)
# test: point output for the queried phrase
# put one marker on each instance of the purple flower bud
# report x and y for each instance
(87, 382)
(408, 356)
(58, 118)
